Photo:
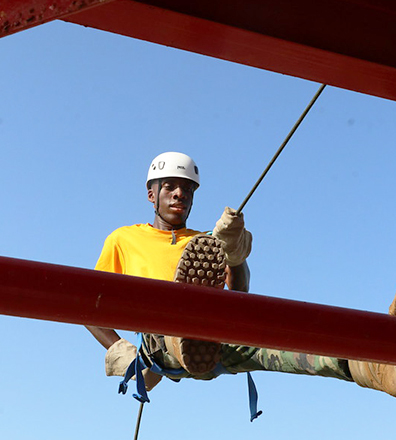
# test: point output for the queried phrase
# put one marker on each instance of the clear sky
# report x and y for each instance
(82, 113)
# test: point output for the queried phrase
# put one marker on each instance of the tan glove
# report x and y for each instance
(118, 358)
(237, 241)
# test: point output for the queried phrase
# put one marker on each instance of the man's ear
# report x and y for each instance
(151, 195)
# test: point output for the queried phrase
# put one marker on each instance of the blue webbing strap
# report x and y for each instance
(155, 368)
(137, 365)
(252, 391)
(253, 398)
(135, 369)
(166, 372)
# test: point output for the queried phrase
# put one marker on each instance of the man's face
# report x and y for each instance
(175, 199)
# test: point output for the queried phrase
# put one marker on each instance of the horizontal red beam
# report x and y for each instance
(81, 296)
(345, 43)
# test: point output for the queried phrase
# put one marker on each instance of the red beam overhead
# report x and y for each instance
(80, 296)
(345, 43)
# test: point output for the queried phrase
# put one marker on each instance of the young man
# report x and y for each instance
(167, 250)
(154, 251)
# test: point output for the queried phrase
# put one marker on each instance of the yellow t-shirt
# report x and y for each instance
(144, 251)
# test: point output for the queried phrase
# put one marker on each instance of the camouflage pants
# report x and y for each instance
(238, 359)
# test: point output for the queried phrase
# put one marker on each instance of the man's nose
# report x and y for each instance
(179, 193)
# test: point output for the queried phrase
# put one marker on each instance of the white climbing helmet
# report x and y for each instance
(173, 164)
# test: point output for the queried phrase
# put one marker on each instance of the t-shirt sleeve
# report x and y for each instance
(111, 258)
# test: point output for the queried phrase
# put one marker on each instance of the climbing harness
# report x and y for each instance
(280, 149)
(138, 365)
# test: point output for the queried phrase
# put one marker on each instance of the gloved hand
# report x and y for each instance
(118, 358)
(237, 241)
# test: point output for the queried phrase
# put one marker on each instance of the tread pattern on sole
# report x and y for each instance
(202, 263)
(197, 357)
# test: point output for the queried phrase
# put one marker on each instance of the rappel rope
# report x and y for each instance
(288, 137)
(139, 418)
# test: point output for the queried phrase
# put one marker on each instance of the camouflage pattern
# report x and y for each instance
(238, 359)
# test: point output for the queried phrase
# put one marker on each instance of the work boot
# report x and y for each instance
(203, 264)
(381, 377)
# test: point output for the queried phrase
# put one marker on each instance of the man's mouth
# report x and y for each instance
(178, 207)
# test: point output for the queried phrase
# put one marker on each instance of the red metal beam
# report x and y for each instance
(345, 43)
(80, 296)
(18, 15)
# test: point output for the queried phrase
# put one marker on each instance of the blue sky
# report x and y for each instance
(82, 113)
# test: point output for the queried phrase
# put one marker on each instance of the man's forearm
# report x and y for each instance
(238, 277)
(105, 336)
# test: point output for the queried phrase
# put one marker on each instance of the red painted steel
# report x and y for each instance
(18, 15)
(80, 296)
(345, 43)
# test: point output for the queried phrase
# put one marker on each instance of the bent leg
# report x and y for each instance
(238, 359)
